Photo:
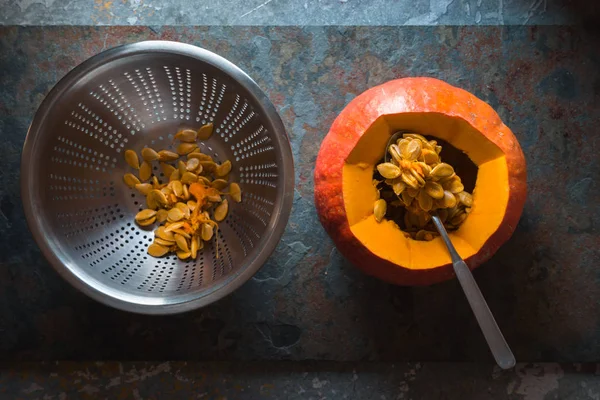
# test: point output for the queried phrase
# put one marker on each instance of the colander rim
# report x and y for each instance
(110, 296)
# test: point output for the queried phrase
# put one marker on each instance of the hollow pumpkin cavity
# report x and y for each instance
(487, 171)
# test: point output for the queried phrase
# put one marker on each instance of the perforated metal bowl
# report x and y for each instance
(80, 211)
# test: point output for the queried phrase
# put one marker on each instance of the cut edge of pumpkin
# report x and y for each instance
(385, 239)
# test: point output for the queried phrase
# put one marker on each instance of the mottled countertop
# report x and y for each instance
(308, 303)
(293, 13)
(297, 381)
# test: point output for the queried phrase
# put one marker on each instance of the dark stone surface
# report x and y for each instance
(297, 380)
(308, 302)
(299, 13)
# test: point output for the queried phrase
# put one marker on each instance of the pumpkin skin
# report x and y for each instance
(356, 140)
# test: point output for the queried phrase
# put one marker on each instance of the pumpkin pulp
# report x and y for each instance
(385, 239)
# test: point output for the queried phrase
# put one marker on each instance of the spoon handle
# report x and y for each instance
(500, 349)
(502, 353)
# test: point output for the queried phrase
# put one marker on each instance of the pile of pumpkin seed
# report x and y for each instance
(190, 202)
(415, 183)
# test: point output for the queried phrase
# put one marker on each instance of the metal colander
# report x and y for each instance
(82, 214)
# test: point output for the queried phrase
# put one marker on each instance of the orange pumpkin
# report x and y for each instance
(344, 194)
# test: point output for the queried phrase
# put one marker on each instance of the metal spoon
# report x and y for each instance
(500, 349)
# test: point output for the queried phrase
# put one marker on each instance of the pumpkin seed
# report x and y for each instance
(177, 187)
(402, 145)
(235, 192)
(199, 156)
(131, 158)
(215, 198)
(163, 234)
(182, 233)
(159, 196)
(398, 187)
(181, 168)
(183, 255)
(412, 192)
(161, 215)
(465, 198)
(208, 166)
(189, 177)
(410, 180)
(455, 185)
(219, 184)
(427, 146)
(223, 169)
(449, 199)
(166, 155)
(167, 169)
(414, 136)
(192, 164)
(156, 250)
(412, 150)
(205, 131)
(186, 192)
(407, 198)
(146, 222)
(167, 191)
(151, 202)
(207, 232)
(425, 169)
(185, 148)
(394, 151)
(194, 247)
(389, 170)
(204, 180)
(420, 235)
(442, 170)
(145, 214)
(175, 214)
(192, 205)
(145, 171)
(175, 176)
(174, 226)
(417, 176)
(163, 242)
(186, 135)
(430, 156)
(144, 188)
(425, 201)
(434, 190)
(379, 209)
(131, 180)
(452, 211)
(184, 208)
(458, 219)
(155, 182)
(221, 211)
(149, 154)
(182, 243)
